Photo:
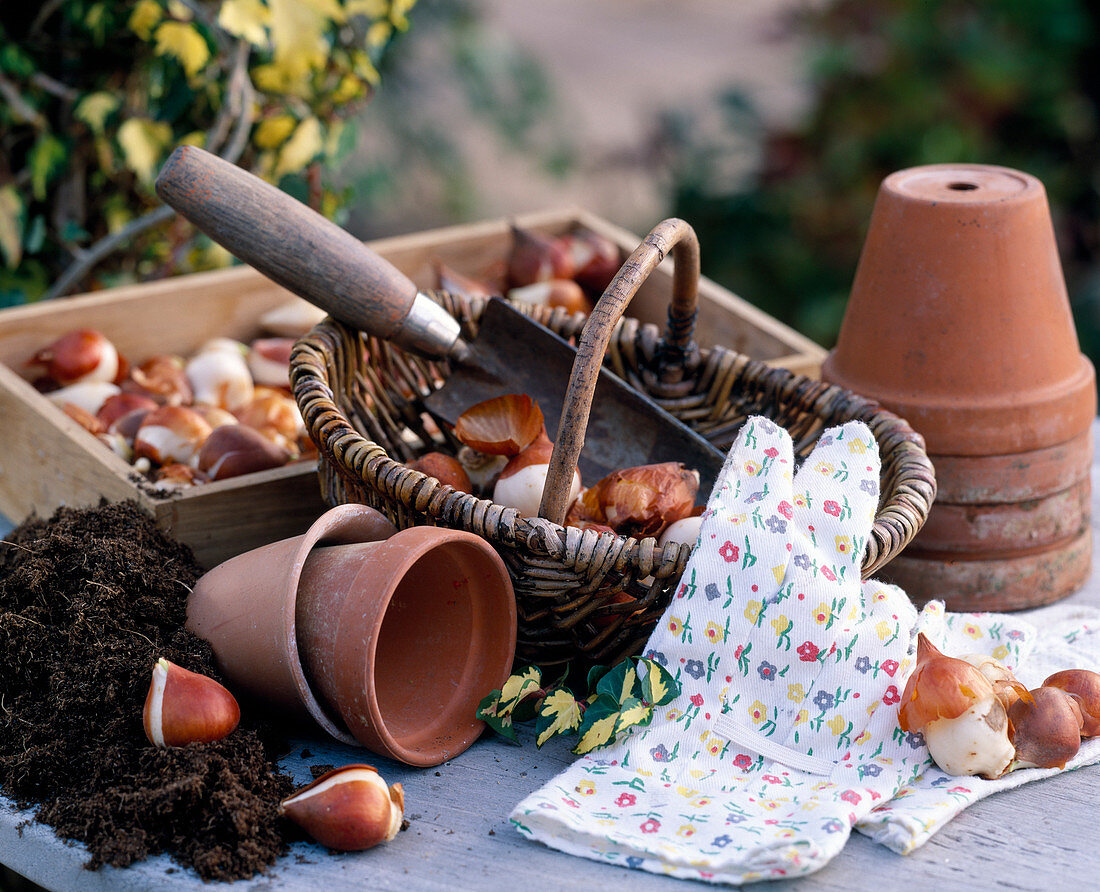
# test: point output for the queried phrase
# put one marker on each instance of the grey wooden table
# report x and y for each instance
(1042, 835)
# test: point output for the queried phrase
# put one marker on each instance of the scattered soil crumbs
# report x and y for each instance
(88, 601)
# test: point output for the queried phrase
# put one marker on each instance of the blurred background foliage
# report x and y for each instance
(898, 83)
(96, 93)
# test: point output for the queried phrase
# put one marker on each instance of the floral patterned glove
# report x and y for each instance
(1034, 646)
(784, 733)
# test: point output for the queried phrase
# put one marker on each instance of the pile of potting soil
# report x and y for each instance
(88, 601)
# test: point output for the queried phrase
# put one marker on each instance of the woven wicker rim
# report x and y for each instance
(897, 520)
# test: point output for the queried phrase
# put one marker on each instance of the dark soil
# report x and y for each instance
(88, 601)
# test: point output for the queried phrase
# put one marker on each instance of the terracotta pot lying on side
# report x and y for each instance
(386, 639)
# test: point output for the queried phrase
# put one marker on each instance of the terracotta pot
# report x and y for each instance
(404, 637)
(249, 609)
(959, 319)
(959, 322)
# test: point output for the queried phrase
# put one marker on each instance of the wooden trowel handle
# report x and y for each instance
(287, 241)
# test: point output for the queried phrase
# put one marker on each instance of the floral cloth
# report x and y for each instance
(784, 734)
(1047, 641)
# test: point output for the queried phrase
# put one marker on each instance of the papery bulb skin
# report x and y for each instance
(1084, 684)
(1046, 732)
(185, 707)
(502, 425)
(349, 809)
(79, 356)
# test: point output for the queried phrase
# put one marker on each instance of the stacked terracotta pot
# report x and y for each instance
(959, 321)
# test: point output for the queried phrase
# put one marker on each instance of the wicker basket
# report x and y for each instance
(361, 401)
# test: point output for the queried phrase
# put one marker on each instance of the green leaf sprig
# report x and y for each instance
(617, 699)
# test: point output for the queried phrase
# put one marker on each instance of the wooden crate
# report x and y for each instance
(47, 460)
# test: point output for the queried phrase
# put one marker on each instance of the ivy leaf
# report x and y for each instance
(184, 43)
(488, 710)
(145, 17)
(143, 142)
(273, 132)
(560, 714)
(594, 675)
(598, 727)
(11, 226)
(95, 108)
(633, 712)
(247, 19)
(619, 682)
(302, 147)
(45, 160)
(519, 686)
(658, 685)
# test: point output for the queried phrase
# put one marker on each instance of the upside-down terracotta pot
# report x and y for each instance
(343, 623)
(959, 322)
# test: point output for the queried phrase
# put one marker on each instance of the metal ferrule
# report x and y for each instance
(428, 328)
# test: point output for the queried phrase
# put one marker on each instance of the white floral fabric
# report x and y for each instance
(1034, 646)
(784, 733)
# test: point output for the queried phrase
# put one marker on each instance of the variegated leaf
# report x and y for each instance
(560, 714)
(519, 686)
(658, 686)
(633, 712)
(598, 727)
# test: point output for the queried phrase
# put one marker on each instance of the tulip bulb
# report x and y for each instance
(269, 361)
(683, 532)
(482, 469)
(957, 709)
(1046, 731)
(445, 469)
(523, 479)
(219, 375)
(184, 707)
(171, 434)
(87, 395)
(162, 378)
(564, 293)
(83, 355)
(1084, 684)
(595, 259)
(1005, 685)
(292, 319)
(235, 449)
(348, 809)
(639, 501)
(536, 257)
(454, 282)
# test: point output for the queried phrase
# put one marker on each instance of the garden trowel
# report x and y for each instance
(316, 259)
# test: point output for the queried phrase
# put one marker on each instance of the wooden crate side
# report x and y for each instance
(48, 460)
(221, 520)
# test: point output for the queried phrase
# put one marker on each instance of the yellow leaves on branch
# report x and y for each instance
(95, 108)
(144, 142)
(300, 149)
(246, 19)
(11, 226)
(184, 42)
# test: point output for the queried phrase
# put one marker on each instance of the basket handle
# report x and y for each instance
(669, 235)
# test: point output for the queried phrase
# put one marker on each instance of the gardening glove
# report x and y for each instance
(1047, 641)
(784, 733)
